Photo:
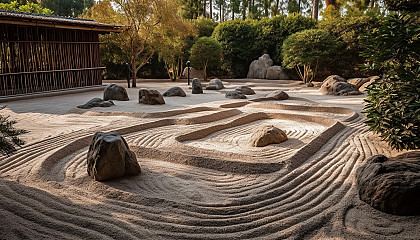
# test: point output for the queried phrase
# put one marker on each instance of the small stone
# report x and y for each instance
(266, 135)
(196, 86)
(309, 84)
(245, 90)
(150, 97)
(96, 102)
(277, 95)
(115, 92)
(215, 84)
(174, 91)
(235, 95)
(109, 157)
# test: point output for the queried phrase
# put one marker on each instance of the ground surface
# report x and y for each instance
(200, 177)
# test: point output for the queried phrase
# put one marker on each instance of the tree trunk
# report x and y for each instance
(204, 8)
(220, 13)
(233, 10)
(315, 9)
(372, 4)
(211, 9)
(266, 6)
(276, 8)
(205, 72)
(244, 5)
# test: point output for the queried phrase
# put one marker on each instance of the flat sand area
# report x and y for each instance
(200, 179)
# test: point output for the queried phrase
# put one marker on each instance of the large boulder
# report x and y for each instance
(174, 91)
(336, 85)
(196, 86)
(109, 157)
(215, 84)
(276, 73)
(194, 73)
(258, 68)
(235, 95)
(277, 95)
(391, 185)
(358, 82)
(115, 92)
(366, 84)
(96, 102)
(245, 90)
(266, 135)
(150, 97)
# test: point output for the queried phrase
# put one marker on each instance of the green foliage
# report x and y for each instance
(403, 5)
(393, 103)
(9, 136)
(348, 31)
(204, 26)
(206, 53)
(113, 56)
(239, 41)
(68, 8)
(28, 7)
(273, 31)
(306, 49)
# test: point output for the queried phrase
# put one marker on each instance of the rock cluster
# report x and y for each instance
(96, 102)
(196, 86)
(391, 185)
(174, 91)
(266, 135)
(115, 92)
(275, 73)
(109, 157)
(215, 84)
(263, 69)
(336, 85)
(150, 97)
(245, 90)
(235, 95)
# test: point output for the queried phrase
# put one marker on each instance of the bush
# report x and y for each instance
(348, 31)
(306, 49)
(393, 103)
(403, 5)
(273, 31)
(206, 53)
(239, 41)
(204, 26)
(8, 137)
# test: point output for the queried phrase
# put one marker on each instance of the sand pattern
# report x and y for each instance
(202, 180)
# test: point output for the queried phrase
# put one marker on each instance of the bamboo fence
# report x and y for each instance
(38, 59)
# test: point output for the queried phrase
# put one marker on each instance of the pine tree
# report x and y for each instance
(8, 138)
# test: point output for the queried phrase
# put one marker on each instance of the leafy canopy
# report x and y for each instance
(206, 53)
(28, 7)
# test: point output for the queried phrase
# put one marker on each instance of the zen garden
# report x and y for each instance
(210, 119)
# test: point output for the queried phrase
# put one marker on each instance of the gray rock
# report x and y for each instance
(150, 97)
(266, 135)
(358, 82)
(309, 84)
(258, 68)
(215, 84)
(391, 185)
(336, 85)
(194, 73)
(235, 95)
(196, 86)
(245, 90)
(96, 102)
(174, 91)
(276, 73)
(115, 92)
(277, 95)
(109, 157)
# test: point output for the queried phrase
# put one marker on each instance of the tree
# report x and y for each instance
(206, 53)
(9, 136)
(305, 49)
(315, 9)
(69, 8)
(28, 7)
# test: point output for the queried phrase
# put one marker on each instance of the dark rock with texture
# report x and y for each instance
(391, 185)
(196, 86)
(258, 68)
(109, 157)
(277, 95)
(215, 84)
(336, 85)
(245, 90)
(115, 92)
(276, 73)
(150, 97)
(96, 102)
(174, 92)
(309, 84)
(266, 135)
(235, 95)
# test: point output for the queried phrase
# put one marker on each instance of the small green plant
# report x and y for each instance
(206, 53)
(305, 50)
(8, 138)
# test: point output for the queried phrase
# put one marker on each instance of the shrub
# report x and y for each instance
(348, 31)
(239, 41)
(403, 5)
(206, 53)
(306, 49)
(393, 103)
(273, 31)
(204, 26)
(8, 138)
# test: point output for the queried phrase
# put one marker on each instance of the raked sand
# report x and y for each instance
(200, 177)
